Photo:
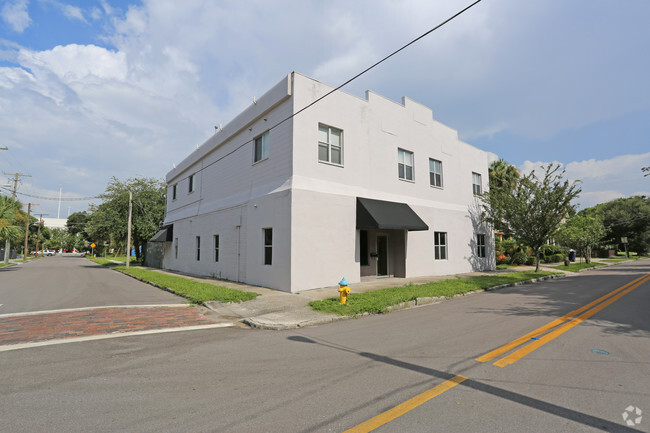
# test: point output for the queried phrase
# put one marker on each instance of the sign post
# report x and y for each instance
(93, 248)
(624, 242)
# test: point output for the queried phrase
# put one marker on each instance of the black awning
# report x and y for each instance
(387, 215)
(165, 234)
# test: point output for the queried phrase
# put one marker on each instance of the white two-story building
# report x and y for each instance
(349, 187)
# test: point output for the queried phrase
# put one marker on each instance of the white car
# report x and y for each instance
(49, 252)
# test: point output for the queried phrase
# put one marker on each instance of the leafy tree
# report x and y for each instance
(582, 233)
(11, 218)
(625, 217)
(534, 209)
(77, 223)
(108, 221)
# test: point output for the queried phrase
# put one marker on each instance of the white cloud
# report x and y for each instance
(603, 180)
(15, 14)
(73, 12)
(172, 70)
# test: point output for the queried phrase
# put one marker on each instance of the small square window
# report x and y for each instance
(261, 150)
(404, 164)
(435, 173)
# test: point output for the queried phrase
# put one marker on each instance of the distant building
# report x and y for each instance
(351, 187)
(55, 223)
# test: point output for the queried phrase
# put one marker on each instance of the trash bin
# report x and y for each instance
(572, 256)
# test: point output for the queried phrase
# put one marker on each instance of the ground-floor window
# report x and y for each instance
(216, 248)
(363, 247)
(176, 248)
(440, 245)
(198, 248)
(480, 245)
(268, 246)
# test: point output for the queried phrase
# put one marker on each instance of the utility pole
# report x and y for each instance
(13, 195)
(128, 229)
(29, 211)
(38, 236)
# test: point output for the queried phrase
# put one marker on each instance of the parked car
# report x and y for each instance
(49, 252)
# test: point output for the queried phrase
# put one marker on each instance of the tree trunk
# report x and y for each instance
(537, 261)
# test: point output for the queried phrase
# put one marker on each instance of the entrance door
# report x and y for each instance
(382, 256)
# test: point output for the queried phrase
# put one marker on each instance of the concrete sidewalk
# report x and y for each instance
(281, 310)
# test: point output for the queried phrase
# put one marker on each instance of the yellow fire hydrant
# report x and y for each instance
(344, 291)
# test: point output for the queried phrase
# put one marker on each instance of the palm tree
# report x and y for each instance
(503, 174)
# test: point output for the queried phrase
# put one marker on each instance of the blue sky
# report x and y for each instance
(95, 89)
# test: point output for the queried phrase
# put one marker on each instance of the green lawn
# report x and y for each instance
(194, 291)
(575, 267)
(378, 301)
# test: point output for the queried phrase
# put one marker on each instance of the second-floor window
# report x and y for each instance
(261, 147)
(404, 164)
(330, 144)
(190, 187)
(435, 173)
(476, 184)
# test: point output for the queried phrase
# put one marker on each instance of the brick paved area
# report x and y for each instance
(40, 327)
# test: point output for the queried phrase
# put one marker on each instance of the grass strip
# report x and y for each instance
(193, 290)
(575, 267)
(378, 301)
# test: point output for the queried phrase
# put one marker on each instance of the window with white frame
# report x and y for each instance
(174, 191)
(198, 248)
(330, 144)
(268, 246)
(440, 245)
(404, 164)
(435, 172)
(216, 248)
(261, 150)
(480, 245)
(476, 184)
(190, 187)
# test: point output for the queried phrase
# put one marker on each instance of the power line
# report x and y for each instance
(344, 84)
(53, 198)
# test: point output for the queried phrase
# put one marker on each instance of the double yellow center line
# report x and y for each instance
(539, 337)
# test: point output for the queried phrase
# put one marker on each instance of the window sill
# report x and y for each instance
(260, 161)
(333, 164)
(437, 187)
(406, 180)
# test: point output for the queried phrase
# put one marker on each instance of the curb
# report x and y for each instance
(260, 323)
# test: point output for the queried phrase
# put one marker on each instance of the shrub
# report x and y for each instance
(547, 251)
(556, 258)
(531, 261)
(502, 260)
(519, 258)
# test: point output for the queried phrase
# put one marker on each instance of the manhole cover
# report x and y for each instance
(600, 352)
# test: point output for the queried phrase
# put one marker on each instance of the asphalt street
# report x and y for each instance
(334, 377)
